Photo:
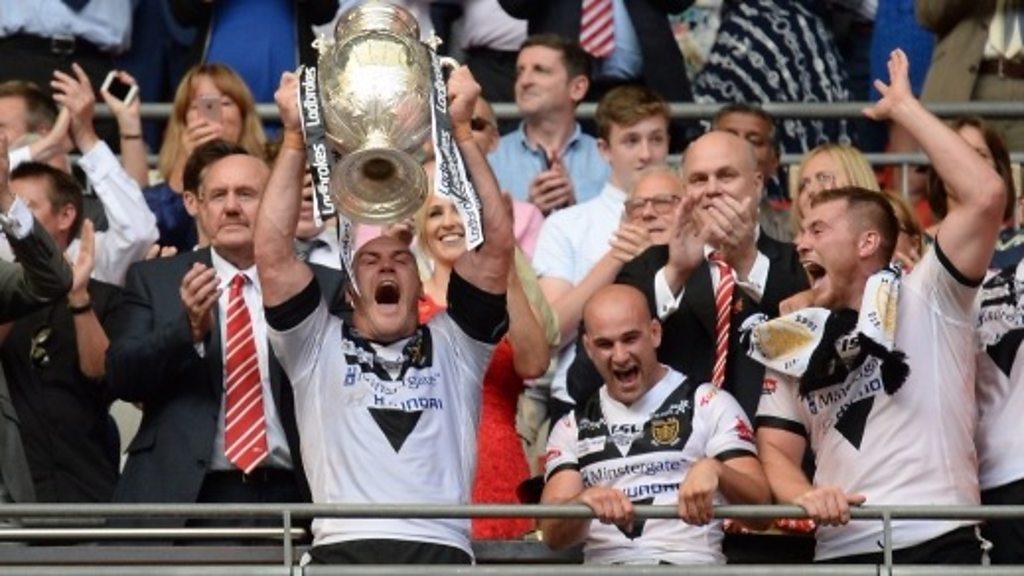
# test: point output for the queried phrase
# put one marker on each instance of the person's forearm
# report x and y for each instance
(282, 274)
(967, 176)
(743, 486)
(499, 239)
(785, 477)
(569, 308)
(92, 343)
(561, 533)
(530, 351)
(133, 151)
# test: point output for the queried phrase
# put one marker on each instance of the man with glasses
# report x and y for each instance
(583, 247)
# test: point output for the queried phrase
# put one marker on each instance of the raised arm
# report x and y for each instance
(282, 274)
(41, 274)
(486, 267)
(976, 193)
(129, 128)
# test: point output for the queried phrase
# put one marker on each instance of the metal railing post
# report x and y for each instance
(887, 541)
(288, 551)
(905, 181)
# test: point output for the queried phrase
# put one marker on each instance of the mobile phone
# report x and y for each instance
(121, 90)
(209, 108)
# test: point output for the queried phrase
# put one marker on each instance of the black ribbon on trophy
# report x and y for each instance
(450, 179)
(320, 158)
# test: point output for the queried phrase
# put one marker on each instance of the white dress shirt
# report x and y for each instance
(666, 302)
(131, 225)
(278, 455)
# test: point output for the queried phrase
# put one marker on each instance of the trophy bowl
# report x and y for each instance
(375, 85)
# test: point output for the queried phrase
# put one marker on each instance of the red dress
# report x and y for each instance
(500, 463)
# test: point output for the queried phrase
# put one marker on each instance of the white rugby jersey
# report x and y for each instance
(368, 436)
(913, 447)
(645, 450)
(1000, 386)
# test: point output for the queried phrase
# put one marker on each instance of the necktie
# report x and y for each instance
(75, 5)
(723, 313)
(245, 431)
(597, 28)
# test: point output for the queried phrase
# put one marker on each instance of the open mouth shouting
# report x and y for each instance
(815, 271)
(628, 375)
(387, 295)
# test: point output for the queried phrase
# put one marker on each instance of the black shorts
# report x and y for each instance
(381, 551)
(961, 546)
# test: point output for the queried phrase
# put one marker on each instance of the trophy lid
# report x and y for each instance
(375, 15)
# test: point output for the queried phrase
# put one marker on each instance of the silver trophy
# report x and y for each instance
(375, 88)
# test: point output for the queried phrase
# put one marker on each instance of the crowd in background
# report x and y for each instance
(180, 300)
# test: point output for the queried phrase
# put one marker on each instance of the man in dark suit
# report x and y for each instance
(645, 51)
(55, 357)
(218, 419)
(718, 216)
(40, 276)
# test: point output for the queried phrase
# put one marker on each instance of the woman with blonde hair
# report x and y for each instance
(826, 167)
(524, 353)
(212, 102)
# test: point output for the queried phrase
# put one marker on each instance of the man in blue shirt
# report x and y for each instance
(548, 160)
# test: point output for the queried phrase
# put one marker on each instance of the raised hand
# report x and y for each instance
(897, 92)
(199, 292)
(287, 99)
(728, 225)
(629, 241)
(83, 265)
(685, 246)
(76, 94)
(129, 120)
(463, 91)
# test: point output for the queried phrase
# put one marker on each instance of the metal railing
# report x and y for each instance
(288, 514)
(688, 110)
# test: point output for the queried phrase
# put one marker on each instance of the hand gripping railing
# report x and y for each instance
(289, 513)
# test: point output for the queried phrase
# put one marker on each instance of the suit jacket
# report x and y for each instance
(688, 336)
(70, 441)
(153, 361)
(664, 69)
(40, 276)
(961, 30)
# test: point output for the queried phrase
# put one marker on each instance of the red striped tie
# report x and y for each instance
(723, 313)
(597, 28)
(245, 430)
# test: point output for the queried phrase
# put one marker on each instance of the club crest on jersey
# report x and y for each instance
(665, 431)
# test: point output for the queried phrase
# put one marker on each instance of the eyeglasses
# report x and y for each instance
(478, 124)
(661, 204)
(824, 180)
(37, 352)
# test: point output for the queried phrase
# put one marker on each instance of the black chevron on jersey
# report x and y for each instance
(667, 430)
(854, 418)
(1004, 352)
(396, 424)
(637, 529)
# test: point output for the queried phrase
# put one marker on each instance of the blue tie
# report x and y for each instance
(75, 5)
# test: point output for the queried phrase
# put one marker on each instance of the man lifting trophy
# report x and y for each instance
(387, 408)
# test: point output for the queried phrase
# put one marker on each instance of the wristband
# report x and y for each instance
(293, 140)
(131, 136)
(76, 310)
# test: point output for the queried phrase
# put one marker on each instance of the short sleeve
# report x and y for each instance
(938, 281)
(561, 452)
(780, 406)
(298, 345)
(554, 256)
(728, 430)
